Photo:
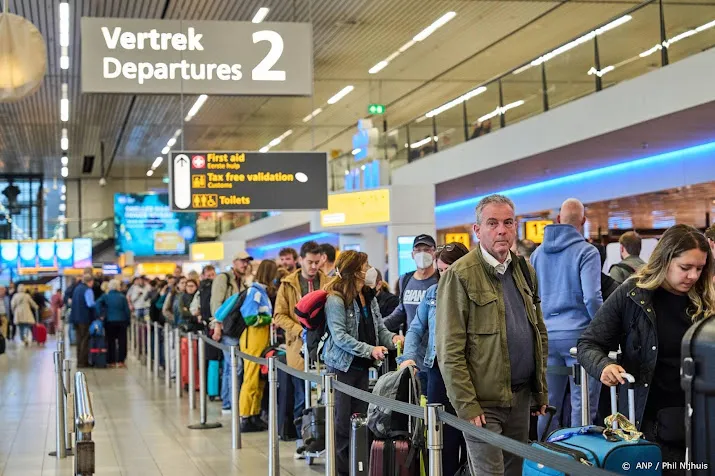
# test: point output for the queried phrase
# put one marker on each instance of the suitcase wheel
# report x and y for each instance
(310, 460)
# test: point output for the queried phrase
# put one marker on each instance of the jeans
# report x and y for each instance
(24, 330)
(512, 422)
(226, 383)
(559, 356)
(345, 406)
(298, 407)
(453, 441)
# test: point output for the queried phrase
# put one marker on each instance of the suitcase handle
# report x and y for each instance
(551, 411)
(631, 386)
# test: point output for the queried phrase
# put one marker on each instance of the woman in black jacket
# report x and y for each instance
(648, 316)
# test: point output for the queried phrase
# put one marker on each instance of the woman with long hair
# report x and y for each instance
(257, 311)
(648, 316)
(357, 339)
(420, 347)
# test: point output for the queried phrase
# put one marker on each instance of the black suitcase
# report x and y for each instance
(360, 442)
(698, 382)
(286, 427)
(313, 429)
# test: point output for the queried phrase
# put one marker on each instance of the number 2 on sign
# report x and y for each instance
(262, 71)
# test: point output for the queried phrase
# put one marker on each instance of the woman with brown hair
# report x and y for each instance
(357, 339)
(648, 316)
(257, 312)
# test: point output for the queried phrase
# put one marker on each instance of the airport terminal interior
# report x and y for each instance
(322, 176)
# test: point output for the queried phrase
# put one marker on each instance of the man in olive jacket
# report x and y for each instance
(491, 339)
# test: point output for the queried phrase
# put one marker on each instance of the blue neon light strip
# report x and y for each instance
(293, 241)
(631, 166)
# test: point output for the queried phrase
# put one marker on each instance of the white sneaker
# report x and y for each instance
(298, 455)
(225, 411)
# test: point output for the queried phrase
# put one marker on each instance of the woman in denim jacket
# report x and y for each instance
(420, 346)
(357, 339)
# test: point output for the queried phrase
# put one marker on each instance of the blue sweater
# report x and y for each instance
(114, 307)
(568, 270)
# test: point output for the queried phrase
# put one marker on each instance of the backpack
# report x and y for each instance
(268, 352)
(310, 311)
(205, 300)
(96, 328)
(624, 267)
(400, 385)
(230, 315)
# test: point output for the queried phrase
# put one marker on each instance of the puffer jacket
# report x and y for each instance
(627, 319)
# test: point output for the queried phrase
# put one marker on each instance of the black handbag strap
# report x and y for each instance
(686, 382)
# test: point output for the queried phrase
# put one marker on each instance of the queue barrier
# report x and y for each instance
(434, 415)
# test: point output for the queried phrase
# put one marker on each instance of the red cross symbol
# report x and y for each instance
(198, 162)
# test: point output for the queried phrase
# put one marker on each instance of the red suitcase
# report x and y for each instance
(39, 334)
(389, 457)
(185, 363)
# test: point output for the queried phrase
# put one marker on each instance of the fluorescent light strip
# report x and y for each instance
(378, 67)
(501, 110)
(149, 173)
(64, 24)
(294, 241)
(456, 102)
(171, 142)
(64, 141)
(64, 171)
(64, 105)
(276, 141)
(440, 22)
(260, 15)
(157, 162)
(356, 151)
(64, 161)
(165, 150)
(422, 142)
(64, 58)
(630, 166)
(195, 108)
(341, 94)
(312, 115)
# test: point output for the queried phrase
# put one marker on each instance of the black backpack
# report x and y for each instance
(205, 300)
(234, 324)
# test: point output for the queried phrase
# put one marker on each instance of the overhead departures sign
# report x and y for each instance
(243, 181)
(150, 56)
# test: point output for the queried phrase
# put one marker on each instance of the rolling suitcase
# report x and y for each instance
(213, 379)
(313, 429)
(39, 333)
(360, 441)
(185, 364)
(390, 457)
(98, 352)
(592, 446)
(698, 382)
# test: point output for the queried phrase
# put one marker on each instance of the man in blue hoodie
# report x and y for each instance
(568, 270)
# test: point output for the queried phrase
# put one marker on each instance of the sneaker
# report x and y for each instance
(259, 423)
(226, 411)
(299, 455)
(249, 426)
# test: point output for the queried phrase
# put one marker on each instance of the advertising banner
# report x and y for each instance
(151, 56)
(240, 181)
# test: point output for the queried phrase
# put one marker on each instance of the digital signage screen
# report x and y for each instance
(28, 254)
(145, 225)
(82, 249)
(65, 253)
(46, 254)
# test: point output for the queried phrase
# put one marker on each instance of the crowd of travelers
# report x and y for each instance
(479, 327)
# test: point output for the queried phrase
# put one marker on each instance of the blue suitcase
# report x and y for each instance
(213, 379)
(639, 457)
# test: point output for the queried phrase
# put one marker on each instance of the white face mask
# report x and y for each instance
(371, 277)
(423, 260)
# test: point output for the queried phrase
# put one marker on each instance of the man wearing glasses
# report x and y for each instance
(491, 340)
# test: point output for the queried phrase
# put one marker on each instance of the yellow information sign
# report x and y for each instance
(156, 269)
(458, 238)
(198, 181)
(205, 200)
(534, 230)
(207, 251)
(357, 208)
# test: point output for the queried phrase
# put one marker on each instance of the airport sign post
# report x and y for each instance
(248, 181)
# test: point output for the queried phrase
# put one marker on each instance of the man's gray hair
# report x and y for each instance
(490, 199)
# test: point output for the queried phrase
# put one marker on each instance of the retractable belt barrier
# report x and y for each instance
(506, 444)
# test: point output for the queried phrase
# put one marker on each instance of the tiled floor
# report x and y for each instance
(141, 427)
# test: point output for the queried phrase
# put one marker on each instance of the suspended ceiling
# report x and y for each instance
(485, 39)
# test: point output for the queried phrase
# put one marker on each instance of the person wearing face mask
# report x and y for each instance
(357, 339)
(648, 317)
(420, 346)
(414, 285)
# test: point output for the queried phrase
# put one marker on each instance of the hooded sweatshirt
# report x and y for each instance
(568, 270)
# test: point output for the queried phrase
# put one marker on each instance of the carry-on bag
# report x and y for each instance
(620, 449)
(313, 429)
(391, 457)
(98, 351)
(698, 382)
(39, 333)
(184, 350)
(213, 379)
(360, 441)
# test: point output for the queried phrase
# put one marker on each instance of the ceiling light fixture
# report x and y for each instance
(157, 162)
(64, 141)
(440, 22)
(65, 171)
(165, 150)
(63, 197)
(149, 173)
(63, 189)
(341, 94)
(264, 149)
(422, 142)
(501, 110)
(64, 58)
(260, 15)
(357, 151)
(378, 67)
(64, 24)
(171, 142)
(65, 161)
(62, 207)
(64, 105)
(276, 141)
(312, 115)
(195, 108)
(455, 102)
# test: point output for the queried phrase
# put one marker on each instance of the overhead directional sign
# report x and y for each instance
(241, 181)
(151, 56)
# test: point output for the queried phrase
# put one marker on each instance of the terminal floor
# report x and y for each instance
(141, 427)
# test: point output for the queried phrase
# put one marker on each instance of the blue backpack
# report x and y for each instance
(96, 328)
(229, 314)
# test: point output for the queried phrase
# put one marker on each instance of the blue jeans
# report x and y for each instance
(298, 407)
(559, 356)
(24, 330)
(226, 382)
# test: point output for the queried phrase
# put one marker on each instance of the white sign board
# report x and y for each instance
(144, 56)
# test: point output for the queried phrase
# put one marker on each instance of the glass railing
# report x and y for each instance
(639, 40)
(99, 231)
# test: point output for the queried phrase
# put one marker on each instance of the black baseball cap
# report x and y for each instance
(424, 240)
